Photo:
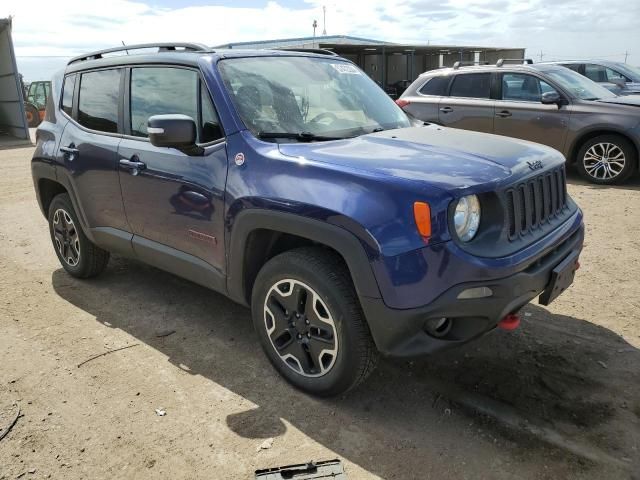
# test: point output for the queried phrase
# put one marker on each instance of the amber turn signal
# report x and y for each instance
(422, 215)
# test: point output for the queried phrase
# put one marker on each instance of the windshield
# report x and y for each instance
(322, 99)
(578, 85)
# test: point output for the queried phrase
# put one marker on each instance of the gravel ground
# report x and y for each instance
(558, 398)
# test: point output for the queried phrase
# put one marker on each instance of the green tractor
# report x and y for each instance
(35, 101)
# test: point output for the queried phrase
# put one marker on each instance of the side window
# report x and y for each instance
(161, 90)
(597, 73)
(523, 88)
(436, 86)
(211, 129)
(573, 66)
(472, 85)
(40, 97)
(67, 94)
(612, 76)
(98, 100)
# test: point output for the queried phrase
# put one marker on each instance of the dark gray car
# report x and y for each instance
(618, 77)
(549, 104)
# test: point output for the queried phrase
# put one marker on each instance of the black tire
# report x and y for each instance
(33, 117)
(326, 274)
(90, 260)
(586, 161)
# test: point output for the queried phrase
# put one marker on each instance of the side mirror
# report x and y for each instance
(174, 131)
(549, 98)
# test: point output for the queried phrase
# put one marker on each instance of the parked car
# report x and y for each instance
(597, 131)
(293, 184)
(620, 78)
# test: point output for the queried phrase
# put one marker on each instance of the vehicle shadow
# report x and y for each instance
(574, 178)
(548, 369)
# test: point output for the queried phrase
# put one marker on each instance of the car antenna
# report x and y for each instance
(123, 44)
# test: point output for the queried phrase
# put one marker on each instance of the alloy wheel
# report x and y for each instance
(301, 328)
(604, 161)
(66, 237)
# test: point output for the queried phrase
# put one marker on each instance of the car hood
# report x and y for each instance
(633, 100)
(444, 157)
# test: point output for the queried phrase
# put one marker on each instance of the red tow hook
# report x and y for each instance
(510, 322)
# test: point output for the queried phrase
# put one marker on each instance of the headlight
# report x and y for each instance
(467, 217)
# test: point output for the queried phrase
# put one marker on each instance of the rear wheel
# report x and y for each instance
(33, 118)
(310, 323)
(77, 254)
(607, 159)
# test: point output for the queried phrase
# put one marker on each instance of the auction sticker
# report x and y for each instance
(345, 68)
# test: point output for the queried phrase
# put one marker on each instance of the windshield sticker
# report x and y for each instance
(345, 68)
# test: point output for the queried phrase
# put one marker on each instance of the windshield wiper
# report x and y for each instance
(300, 136)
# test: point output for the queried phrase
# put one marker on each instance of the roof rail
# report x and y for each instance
(462, 63)
(319, 51)
(162, 47)
(524, 61)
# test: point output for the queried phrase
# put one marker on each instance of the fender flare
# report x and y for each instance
(341, 240)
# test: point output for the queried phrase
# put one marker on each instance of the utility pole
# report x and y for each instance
(314, 25)
(541, 55)
(626, 54)
(324, 20)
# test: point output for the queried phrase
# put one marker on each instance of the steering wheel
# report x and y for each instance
(324, 116)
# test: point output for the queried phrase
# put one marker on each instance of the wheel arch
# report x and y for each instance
(586, 136)
(258, 235)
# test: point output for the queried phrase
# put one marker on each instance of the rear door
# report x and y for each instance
(89, 146)
(469, 104)
(425, 101)
(174, 203)
(520, 113)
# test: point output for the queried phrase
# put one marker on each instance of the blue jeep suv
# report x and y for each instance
(291, 183)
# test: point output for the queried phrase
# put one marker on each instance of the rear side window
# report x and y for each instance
(472, 85)
(157, 91)
(435, 86)
(98, 102)
(67, 94)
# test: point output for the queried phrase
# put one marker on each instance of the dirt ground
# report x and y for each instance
(558, 398)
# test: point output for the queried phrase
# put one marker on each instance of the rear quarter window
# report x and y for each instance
(99, 99)
(436, 86)
(67, 94)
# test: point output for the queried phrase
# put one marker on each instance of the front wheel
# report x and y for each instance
(607, 160)
(310, 323)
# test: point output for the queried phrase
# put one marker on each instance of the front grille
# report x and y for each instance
(531, 204)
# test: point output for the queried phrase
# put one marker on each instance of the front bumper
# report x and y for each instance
(402, 332)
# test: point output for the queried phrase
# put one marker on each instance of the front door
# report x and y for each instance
(520, 113)
(174, 202)
(469, 104)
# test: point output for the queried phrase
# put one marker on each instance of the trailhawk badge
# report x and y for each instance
(537, 165)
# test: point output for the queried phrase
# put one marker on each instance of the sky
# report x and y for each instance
(46, 33)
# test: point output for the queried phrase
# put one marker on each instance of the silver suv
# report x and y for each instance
(620, 78)
(595, 129)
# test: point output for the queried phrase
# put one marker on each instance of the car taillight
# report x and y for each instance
(422, 216)
(401, 102)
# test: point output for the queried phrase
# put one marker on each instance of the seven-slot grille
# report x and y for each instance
(538, 200)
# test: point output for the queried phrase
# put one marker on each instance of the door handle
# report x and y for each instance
(503, 114)
(135, 165)
(446, 109)
(71, 151)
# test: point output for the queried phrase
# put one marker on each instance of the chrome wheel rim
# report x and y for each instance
(300, 328)
(65, 236)
(604, 161)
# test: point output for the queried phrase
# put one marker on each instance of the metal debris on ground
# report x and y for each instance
(161, 412)
(165, 333)
(5, 431)
(327, 469)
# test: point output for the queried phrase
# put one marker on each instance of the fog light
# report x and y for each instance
(476, 292)
(438, 327)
